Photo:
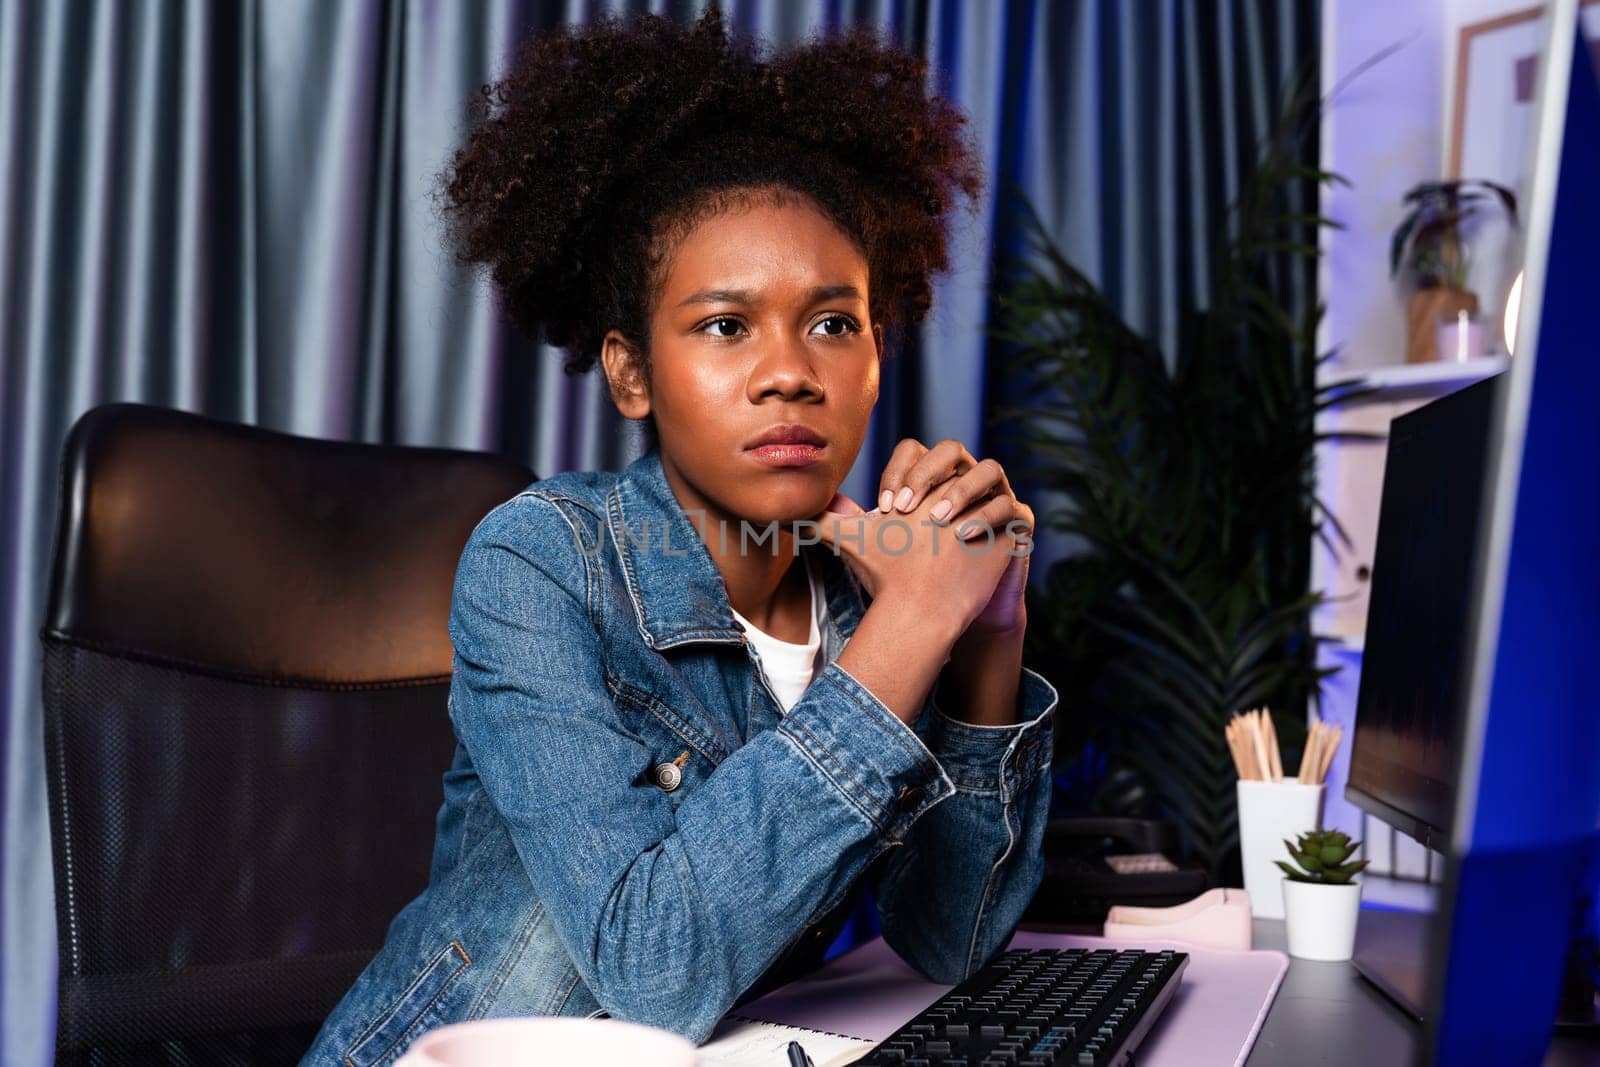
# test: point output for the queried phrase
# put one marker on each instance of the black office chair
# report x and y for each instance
(245, 669)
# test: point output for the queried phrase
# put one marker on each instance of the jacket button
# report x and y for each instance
(910, 797)
(668, 775)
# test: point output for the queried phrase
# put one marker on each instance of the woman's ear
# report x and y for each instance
(624, 369)
(877, 336)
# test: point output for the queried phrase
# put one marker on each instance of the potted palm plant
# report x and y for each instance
(1321, 898)
(1430, 243)
(1186, 479)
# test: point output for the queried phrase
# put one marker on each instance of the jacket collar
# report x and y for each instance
(678, 594)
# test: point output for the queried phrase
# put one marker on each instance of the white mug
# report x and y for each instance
(534, 1041)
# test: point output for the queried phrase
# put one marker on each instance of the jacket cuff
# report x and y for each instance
(875, 761)
(997, 759)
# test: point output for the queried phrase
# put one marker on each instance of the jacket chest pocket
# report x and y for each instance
(681, 751)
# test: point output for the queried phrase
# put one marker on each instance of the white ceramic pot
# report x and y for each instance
(1320, 919)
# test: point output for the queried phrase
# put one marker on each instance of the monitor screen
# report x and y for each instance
(1413, 681)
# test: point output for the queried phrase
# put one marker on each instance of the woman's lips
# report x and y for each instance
(788, 455)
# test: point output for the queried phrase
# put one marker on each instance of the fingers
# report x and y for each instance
(1005, 515)
(904, 457)
(909, 476)
(1025, 515)
(992, 513)
(954, 496)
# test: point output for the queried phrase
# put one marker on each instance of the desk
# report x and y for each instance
(1326, 1013)
(1323, 1013)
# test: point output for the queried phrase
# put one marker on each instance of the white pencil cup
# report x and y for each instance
(1269, 813)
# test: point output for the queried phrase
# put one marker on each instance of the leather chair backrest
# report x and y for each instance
(245, 669)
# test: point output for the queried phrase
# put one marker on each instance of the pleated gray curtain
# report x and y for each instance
(226, 207)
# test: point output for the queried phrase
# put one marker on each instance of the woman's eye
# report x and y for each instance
(832, 326)
(845, 324)
(732, 324)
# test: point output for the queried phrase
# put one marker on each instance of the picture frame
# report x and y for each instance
(1492, 106)
(1492, 101)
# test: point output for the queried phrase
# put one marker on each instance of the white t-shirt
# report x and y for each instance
(788, 666)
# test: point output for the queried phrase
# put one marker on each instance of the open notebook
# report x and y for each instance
(741, 1042)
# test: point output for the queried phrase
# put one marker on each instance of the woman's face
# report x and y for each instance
(761, 324)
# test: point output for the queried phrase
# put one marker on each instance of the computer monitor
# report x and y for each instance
(1414, 681)
(1513, 795)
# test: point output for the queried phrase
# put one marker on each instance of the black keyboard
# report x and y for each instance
(1034, 1007)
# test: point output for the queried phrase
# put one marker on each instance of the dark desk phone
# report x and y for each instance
(1093, 862)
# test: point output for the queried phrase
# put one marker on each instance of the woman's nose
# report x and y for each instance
(784, 370)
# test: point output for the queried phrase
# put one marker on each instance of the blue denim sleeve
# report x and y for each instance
(952, 894)
(668, 914)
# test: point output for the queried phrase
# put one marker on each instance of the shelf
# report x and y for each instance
(1415, 378)
(1343, 643)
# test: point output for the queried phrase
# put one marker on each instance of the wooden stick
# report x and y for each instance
(1272, 746)
(1308, 758)
(1327, 759)
(1260, 743)
(1246, 771)
(1246, 753)
(1232, 736)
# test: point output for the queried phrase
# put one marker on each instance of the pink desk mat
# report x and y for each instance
(1213, 1018)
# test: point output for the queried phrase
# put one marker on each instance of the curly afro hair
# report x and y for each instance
(605, 145)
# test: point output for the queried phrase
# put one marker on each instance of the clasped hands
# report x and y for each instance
(947, 533)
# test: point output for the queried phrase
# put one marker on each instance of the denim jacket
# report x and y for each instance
(574, 874)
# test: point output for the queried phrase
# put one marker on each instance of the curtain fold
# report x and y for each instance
(229, 208)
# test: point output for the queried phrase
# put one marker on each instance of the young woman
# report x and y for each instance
(704, 703)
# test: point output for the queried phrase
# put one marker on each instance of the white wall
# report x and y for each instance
(1382, 130)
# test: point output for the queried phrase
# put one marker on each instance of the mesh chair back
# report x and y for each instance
(245, 669)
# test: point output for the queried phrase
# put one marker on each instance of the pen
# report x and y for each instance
(797, 1056)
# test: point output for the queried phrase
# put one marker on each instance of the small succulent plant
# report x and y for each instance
(1323, 856)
